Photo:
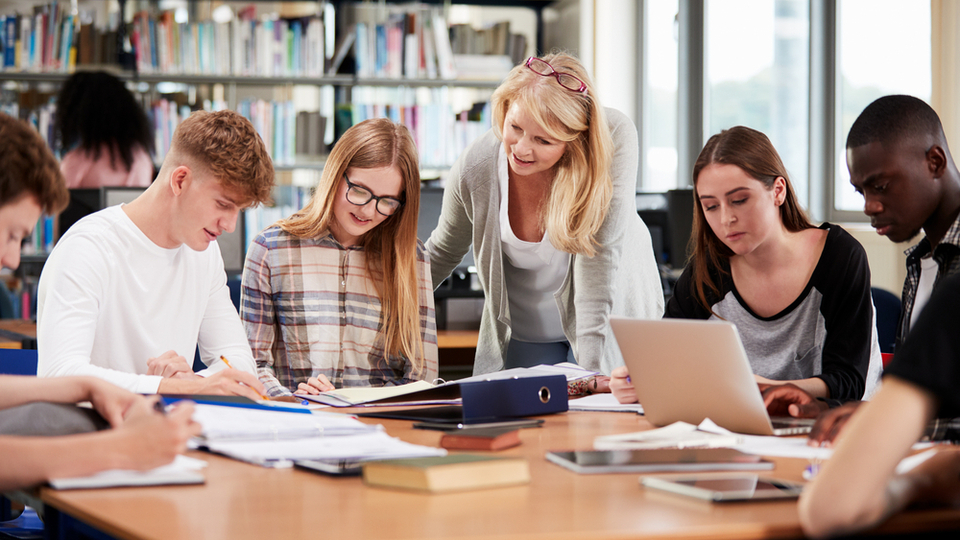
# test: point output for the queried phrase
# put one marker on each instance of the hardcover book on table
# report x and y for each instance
(448, 473)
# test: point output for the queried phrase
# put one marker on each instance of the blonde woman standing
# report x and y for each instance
(547, 199)
(338, 294)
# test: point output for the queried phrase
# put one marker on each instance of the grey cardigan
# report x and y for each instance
(621, 279)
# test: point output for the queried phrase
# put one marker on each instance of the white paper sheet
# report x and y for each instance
(676, 435)
(183, 470)
(375, 445)
(242, 423)
(603, 402)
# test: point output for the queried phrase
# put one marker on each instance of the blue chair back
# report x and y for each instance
(18, 362)
(887, 305)
(234, 285)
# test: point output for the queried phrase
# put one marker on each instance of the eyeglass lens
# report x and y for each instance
(565, 79)
(361, 196)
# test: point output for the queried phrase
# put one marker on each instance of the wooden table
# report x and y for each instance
(245, 501)
(13, 332)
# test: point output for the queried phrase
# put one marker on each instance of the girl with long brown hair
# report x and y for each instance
(338, 294)
(799, 294)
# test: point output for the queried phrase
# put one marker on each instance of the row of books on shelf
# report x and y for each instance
(441, 133)
(44, 40)
(418, 44)
(290, 136)
(246, 45)
(286, 200)
(41, 240)
(275, 121)
(408, 42)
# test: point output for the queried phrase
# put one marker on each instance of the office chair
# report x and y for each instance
(18, 362)
(14, 523)
(887, 306)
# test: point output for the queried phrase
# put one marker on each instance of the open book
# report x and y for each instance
(424, 393)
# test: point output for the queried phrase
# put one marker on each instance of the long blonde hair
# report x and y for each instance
(391, 247)
(582, 187)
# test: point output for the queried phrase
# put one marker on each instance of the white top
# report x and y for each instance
(109, 299)
(534, 273)
(928, 278)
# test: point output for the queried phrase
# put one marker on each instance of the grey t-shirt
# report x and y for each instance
(827, 332)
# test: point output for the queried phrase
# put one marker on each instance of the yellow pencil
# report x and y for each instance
(227, 362)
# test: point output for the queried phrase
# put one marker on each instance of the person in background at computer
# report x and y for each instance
(129, 292)
(105, 135)
(548, 200)
(899, 160)
(858, 487)
(30, 183)
(338, 294)
(798, 294)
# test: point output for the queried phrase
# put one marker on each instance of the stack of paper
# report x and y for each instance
(277, 438)
(281, 453)
(676, 435)
(220, 423)
(603, 402)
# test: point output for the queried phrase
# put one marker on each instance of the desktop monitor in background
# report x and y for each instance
(669, 217)
(680, 213)
(652, 208)
(82, 202)
(112, 196)
(88, 201)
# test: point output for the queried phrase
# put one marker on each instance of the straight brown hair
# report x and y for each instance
(752, 152)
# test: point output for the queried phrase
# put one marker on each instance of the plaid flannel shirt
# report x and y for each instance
(310, 307)
(947, 255)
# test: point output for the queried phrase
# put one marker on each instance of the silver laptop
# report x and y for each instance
(689, 370)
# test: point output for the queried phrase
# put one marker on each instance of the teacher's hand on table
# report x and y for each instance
(621, 387)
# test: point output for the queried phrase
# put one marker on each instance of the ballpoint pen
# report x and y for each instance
(227, 362)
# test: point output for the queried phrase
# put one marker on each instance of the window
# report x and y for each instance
(756, 71)
(757, 75)
(659, 116)
(884, 48)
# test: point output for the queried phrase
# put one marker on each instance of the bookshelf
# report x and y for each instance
(245, 66)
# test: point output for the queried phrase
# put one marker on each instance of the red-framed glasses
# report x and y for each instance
(566, 80)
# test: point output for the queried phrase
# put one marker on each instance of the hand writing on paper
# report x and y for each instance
(621, 386)
(169, 364)
(790, 400)
(315, 385)
(224, 382)
(830, 423)
(149, 439)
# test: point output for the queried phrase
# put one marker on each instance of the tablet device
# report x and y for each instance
(332, 467)
(658, 460)
(726, 489)
(518, 424)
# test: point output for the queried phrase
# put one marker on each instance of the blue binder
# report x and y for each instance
(487, 401)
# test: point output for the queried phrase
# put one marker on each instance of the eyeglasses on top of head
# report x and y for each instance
(566, 80)
(359, 195)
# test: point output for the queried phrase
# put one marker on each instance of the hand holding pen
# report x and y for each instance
(242, 378)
